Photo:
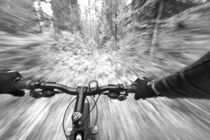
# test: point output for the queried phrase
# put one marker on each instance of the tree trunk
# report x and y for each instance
(137, 3)
(115, 26)
(154, 42)
(66, 15)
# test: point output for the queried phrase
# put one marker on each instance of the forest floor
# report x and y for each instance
(71, 61)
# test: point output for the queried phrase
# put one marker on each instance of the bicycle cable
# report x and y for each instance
(95, 102)
(65, 116)
(95, 105)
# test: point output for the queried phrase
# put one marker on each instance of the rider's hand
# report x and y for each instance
(7, 83)
(143, 89)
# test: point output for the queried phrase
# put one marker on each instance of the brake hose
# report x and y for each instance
(65, 116)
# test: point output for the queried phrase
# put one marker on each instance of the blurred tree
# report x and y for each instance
(148, 9)
(18, 16)
(66, 15)
(109, 17)
(151, 12)
(137, 3)
(43, 12)
(154, 41)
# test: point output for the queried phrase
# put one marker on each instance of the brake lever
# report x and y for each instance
(119, 96)
(42, 93)
(48, 93)
(113, 95)
(35, 94)
(122, 97)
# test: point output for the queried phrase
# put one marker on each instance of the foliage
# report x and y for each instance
(74, 59)
(17, 16)
(66, 15)
(44, 13)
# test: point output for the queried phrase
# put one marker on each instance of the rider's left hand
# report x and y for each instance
(7, 83)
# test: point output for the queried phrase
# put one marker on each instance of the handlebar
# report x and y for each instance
(50, 86)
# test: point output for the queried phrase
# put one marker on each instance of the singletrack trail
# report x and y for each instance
(71, 61)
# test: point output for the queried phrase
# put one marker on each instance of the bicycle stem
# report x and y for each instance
(82, 91)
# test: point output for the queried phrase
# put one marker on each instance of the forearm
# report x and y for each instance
(193, 81)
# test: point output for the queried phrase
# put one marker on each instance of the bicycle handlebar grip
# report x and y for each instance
(24, 84)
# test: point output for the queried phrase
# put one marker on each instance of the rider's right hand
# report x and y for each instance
(143, 90)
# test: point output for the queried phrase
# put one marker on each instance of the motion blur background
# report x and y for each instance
(113, 41)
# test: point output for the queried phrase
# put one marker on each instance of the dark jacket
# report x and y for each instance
(192, 81)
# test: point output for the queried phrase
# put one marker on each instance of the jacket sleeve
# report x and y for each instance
(192, 81)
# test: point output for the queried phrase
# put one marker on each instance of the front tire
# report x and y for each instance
(86, 120)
